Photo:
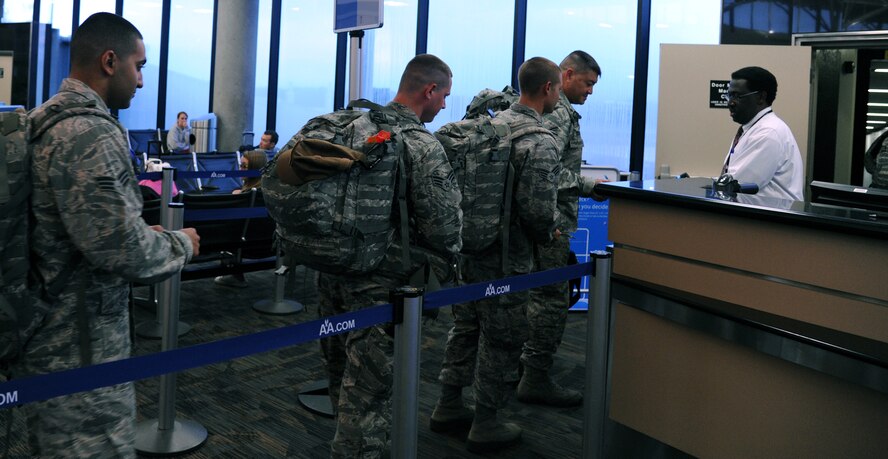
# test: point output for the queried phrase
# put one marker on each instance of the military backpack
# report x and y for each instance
(479, 148)
(21, 313)
(332, 188)
(489, 102)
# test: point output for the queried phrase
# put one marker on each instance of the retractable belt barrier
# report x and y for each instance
(42, 387)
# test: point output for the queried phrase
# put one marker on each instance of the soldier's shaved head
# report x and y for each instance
(535, 72)
(99, 33)
(581, 62)
(422, 70)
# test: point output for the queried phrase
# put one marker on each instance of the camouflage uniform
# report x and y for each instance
(85, 200)
(365, 365)
(547, 308)
(485, 341)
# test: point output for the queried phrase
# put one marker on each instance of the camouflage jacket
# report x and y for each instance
(86, 199)
(535, 159)
(564, 122)
(433, 198)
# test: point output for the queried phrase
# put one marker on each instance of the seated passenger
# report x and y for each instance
(252, 160)
(179, 138)
(268, 141)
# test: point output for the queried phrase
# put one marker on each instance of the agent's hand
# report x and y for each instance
(557, 234)
(195, 239)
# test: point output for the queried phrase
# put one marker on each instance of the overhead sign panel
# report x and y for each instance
(357, 15)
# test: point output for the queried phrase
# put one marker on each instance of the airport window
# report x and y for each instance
(17, 12)
(475, 39)
(142, 113)
(263, 45)
(673, 21)
(606, 30)
(88, 8)
(388, 49)
(57, 13)
(188, 71)
(307, 64)
(774, 21)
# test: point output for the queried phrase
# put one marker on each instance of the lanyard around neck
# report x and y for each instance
(747, 130)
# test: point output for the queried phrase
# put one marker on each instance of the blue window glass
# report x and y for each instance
(88, 8)
(475, 39)
(388, 50)
(22, 11)
(307, 64)
(188, 70)
(606, 30)
(673, 21)
(57, 13)
(142, 113)
(263, 45)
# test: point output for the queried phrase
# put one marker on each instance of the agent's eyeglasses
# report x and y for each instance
(243, 165)
(734, 96)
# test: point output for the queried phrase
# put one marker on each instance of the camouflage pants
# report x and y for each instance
(331, 301)
(363, 363)
(485, 341)
(99, 423)
(547, 309)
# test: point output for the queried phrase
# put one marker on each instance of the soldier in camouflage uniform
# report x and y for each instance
(548, 305)
(485, 341)
(365, 368)
(87, 212)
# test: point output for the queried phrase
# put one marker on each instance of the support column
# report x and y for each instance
(234, 75)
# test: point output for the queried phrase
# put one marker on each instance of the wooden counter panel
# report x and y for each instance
(816, 307)
(711, 398)
(854, 264)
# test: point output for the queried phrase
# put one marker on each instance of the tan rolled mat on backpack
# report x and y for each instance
(313, 159)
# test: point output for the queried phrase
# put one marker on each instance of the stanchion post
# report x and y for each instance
(278, 305)
(166, 435)
(597, 326)
(153, 329)
(407, 306)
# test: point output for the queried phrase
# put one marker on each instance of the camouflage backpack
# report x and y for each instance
(489, 102)
(479, 150)
(15, 188)
(20, 315)
(332, 188)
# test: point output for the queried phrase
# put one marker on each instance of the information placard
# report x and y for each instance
(357, 15)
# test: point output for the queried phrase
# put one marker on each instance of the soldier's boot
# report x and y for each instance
(536, 387)
(450, 414)
(487, 434)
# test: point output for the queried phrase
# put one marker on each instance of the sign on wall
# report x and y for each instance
(718, 93)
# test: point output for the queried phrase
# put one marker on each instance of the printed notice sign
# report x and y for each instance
(718, 93)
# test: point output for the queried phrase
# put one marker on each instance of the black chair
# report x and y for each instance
(219, 162)
(219, 239)
(184, 163)
(259, 237)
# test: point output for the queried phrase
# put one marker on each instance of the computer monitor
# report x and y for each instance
(838, 194)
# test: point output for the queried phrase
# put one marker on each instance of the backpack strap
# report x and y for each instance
(367, 104)
(506, 221)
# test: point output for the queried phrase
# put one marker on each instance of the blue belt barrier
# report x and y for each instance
(41, 387)
(201, 174)
(234, 213)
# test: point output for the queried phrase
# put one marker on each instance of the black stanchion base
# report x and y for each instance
(315, 397)
(151, 329)
(281, 307)
(185, 436)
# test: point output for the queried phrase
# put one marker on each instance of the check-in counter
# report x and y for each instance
(745, 326)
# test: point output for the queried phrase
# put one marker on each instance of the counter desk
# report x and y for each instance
(745, 326)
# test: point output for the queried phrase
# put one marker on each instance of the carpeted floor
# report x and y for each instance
(249, 406)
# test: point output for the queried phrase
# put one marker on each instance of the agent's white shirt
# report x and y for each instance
(768, 155)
